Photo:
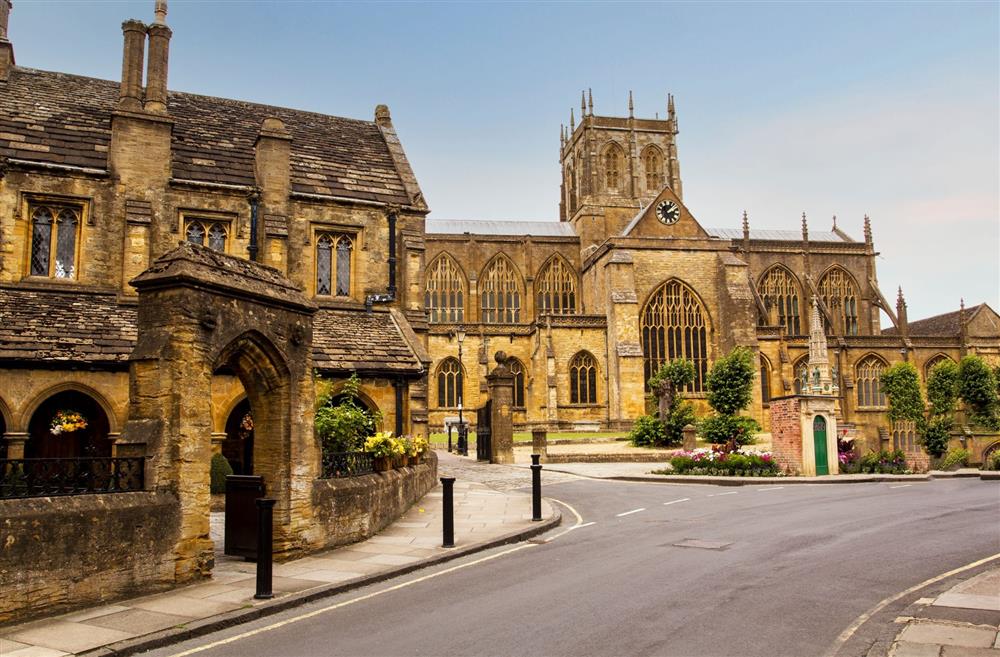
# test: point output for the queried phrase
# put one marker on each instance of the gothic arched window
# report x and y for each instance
(800, 371)
(652, 161)
(868, 381)
(517, 369)
(197, 230)
(583, 379)
(500, 293)
(571, 193)
(778, 290)
(840, 294)
(450, 383)
(333, 276)
(556, 286)
(934, 362)
(444, 291)
(674, 324)
(765, 380)
(59, 262)
(904, 436)
(614, 162)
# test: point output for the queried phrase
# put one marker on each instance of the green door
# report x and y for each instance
(819, 442)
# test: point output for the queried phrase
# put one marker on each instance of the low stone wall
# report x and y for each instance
(355, 508)
(60, 552)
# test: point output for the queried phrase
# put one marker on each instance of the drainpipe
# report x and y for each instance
(398, 385)
(254, 199)
(390, 292)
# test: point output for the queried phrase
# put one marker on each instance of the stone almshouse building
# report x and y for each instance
(98, 179)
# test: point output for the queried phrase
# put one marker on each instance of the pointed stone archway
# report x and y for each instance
(200, 310)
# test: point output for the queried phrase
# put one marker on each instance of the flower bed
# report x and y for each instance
(741, 463)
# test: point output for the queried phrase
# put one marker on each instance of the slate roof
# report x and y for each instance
(92, 329)
(65, 327)
(533, 228)
(944, 325)
(778, 235)
(57, 118)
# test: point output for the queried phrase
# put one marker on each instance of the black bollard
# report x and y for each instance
(265, 547)
(536, 487)
(448, 521)
(463, 439)
(449, 437)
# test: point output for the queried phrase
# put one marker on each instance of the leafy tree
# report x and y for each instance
(902, 386)
(730, 390)
(344, 425)
(942, 388)
(674, 412)
(977, 388)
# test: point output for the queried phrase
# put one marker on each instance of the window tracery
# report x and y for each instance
(333, 264)
(444, 292)
(840, 295)
(778, 290)
(652, 161)
(450, 383)
(556, 288)
(197, 231)
(674, 324)
(613, 165)
(868, 382)
(500, 293)
(517, 369)
(52, 225)
(583, 379)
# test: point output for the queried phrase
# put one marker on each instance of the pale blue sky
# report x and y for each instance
(829, 108)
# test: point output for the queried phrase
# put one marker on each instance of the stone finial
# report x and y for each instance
(500, 357)
(590, 102)
(160, 11)
(746, 225)
(805, 228)
(900, 301)
(562, 134)
(631, 107)
(834, 222)
(868, 230)
(572, 120)
(583, 103)
(5, 7)
(382, 116)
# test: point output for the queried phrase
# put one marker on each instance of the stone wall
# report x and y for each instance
(354, 508)
(60, 552)
(786, 433)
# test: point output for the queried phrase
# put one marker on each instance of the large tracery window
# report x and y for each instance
(58, 226)
(840, 294)
(198, 231)
(652, 161)
(500, 293)
(450, 382)
(583, 379)
(333, 264)
(778, 290)
(444, 293)
(556, 288)
(517, 369)
(674, 325)
(868, 381)
(614, 161)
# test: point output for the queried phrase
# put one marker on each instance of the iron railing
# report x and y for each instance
(70, 476)
(347, 464)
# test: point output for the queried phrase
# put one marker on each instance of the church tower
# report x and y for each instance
(614, 166)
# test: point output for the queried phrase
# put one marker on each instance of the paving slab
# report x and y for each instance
(947, 634)
(959, 651)
(907, 649)
(69, 637)
(35, 651)
(138, 621)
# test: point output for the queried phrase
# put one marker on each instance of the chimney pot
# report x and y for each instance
(130, 96)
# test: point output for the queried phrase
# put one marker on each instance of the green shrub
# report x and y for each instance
(719, 429)
(942, 388)
(992, 461)
(710, 462)
(343, 427)
(647, 431)
(977, 387)
(902, 388)
(219, 470)
(883, 462)
(955, 457)
(935, 434)
(730, 382)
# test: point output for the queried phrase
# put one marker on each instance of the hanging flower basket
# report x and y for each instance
(67, 422)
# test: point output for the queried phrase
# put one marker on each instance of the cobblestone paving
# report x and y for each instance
(497, 477)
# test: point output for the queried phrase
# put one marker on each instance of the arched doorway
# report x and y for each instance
(238, 445)
(819, 445)
(68, 424)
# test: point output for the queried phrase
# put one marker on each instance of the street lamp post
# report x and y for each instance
(463, 430)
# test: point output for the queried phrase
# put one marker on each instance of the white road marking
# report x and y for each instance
(901, 486)
(718, 494)
(628, 513)
(683, 499)
(863, 618)
(586, 524)
(771, 488)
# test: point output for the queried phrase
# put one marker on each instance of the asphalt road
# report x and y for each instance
(770, 571)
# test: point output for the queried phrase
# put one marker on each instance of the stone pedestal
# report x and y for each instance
(690, 437)
(539, 443)
(217, 440)
(15, 444)
(500, 384)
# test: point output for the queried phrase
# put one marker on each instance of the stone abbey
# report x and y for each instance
(99, 179)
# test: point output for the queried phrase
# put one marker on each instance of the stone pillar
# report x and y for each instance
(217, 440)
(690, 437)
(501, 390)
(15, 444)
(539, 443)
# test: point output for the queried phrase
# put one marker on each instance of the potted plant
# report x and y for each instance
(67, 422)
(384, 448)
(420, 447)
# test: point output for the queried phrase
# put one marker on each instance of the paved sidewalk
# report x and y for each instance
(483, 517)
(962, 622)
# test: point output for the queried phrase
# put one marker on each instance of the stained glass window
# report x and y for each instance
(333, 277)
(500, 293)
(450, 384)
(583, 379)
(53, 241)
(556, 288)
(840, 294)
(673, 324)
(778, 290)
(324, 256)
(444, 291)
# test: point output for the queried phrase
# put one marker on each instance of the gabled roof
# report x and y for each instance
(778, 235)
(944, 325)
(533, 228)
(57, 118)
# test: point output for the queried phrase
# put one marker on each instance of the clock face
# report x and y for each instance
(668, 212)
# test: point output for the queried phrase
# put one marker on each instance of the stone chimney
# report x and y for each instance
(6, 47)
(130, 96)
(159, 54)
